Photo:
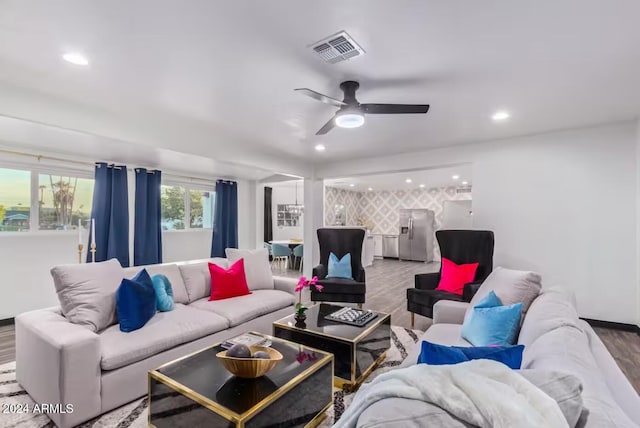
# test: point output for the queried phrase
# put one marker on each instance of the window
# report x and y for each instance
(15, 200)
(201, 209)
(289, 215)
(172, 201)
(63, 200)
(181, 212)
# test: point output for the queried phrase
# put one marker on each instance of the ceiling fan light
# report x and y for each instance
(350, 120)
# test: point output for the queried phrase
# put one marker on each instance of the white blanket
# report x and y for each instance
(484, 393)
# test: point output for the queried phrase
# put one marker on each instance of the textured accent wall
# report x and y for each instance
(335, 199)
(380, 209)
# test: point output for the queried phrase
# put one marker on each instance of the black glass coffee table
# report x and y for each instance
(357, 350)
(196, 390)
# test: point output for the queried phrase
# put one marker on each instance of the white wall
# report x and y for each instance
(285, 193)
(561, 203)
(246, 214)
(638, 222)
(190, 244)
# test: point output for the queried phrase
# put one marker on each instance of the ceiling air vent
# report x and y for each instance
(466, 189)
(336, 48)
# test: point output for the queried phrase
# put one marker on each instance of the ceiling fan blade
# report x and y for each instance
(327, 126)
(320, 97)
(394, 108)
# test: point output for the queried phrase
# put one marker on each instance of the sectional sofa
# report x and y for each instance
(556, 341)
(58, 361)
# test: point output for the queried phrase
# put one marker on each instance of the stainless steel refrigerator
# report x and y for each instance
(416, 235)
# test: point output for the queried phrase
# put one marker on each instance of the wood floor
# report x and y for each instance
(387, 281)
(7, 344)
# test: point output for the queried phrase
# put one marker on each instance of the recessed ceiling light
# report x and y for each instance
(370, 189)
(464, 183)
(351, 185)
(422, 186)
(408, 180)
(455, 177)
(75, 58)
(500, 115)
(320, 147)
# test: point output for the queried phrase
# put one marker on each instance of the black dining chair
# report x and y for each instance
(461, 247)
(340, 241)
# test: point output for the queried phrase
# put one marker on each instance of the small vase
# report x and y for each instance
(300, 319)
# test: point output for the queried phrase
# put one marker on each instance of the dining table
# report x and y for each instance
(291, 243)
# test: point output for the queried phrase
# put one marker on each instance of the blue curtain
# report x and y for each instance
(147, 233)
(110, 210)
(225, 219)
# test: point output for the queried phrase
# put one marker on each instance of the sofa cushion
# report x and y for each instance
(164, 331)
(453, 276)
(256, 267)
(228, 283)
(197, 279)
(435, 355)
(244, 308)
(445, 334)
(566, 349)
(171, 271)
(511, 286)
(87, 292)
(164, 293)
(552, 309)
(339, 268)
(135, 302)
(492, 323)
(404, 413)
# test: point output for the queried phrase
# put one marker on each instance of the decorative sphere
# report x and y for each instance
(239, 351)
(262, 354)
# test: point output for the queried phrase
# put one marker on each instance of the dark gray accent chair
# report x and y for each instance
(459, 246)
(340, 241)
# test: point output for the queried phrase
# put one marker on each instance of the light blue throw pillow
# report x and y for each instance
(340, 268)
(492, 324)
(164, 293)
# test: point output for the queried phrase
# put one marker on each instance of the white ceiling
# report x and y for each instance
(216, 78)
(42, 140)
(441, 177)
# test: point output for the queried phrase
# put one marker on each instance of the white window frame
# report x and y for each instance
(187, 203)
(34, 206)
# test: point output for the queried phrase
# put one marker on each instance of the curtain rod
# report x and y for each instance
(90, 164)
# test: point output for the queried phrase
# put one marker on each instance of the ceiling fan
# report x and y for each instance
(351, 113)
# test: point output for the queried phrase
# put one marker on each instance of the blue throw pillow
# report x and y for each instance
(164, 293)
(491, 300)
(434, 354)
(135, 301)
(339, 268)
(492, 324)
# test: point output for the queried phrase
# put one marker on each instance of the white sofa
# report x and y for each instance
(61, 362)
(555, 340)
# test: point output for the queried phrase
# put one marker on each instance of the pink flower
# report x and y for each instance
(302, 282)
(318, 287)
(301, 357)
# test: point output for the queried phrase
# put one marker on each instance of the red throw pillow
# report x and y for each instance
(453, 277)
(226, 283)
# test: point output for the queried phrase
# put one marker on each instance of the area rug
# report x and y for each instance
(134, 414)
